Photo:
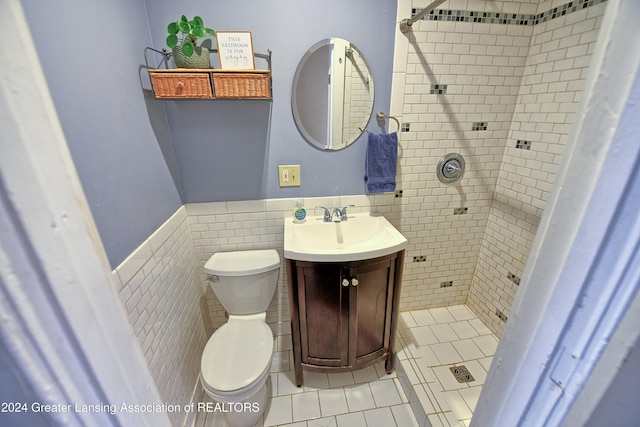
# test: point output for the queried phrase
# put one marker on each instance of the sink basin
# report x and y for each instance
(362, 236)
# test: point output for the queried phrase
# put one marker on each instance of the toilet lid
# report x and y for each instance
(242, 263)
(236, 354)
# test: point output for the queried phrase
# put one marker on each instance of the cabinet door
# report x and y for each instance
(370, 310)
(324, 314)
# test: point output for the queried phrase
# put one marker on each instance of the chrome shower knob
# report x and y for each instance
(450, 168)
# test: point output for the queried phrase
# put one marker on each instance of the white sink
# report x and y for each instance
(362, 236)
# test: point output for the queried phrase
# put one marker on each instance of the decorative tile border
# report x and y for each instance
(501, 315)
(438, 89)
(479, 126)
(515, 279)
(506, 18)
(522, 144)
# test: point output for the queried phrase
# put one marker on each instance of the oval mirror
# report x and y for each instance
(332, 96)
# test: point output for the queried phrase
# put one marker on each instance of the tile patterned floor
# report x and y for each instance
(429, 342)
(365, 398)
(432, 341)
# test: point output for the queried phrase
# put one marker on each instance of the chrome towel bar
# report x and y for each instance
(405, 24)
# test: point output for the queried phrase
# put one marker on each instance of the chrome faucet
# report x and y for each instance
(339, 214)
(327, 214)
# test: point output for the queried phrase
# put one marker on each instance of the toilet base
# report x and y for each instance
(245, 413)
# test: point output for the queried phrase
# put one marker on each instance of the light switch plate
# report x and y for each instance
(289, 175)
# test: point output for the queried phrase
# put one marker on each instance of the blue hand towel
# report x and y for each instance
(380, 162)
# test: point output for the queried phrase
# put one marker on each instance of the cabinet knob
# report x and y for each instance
(345, 282)
(354, 282)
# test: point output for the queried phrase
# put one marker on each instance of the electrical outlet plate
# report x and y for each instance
(289, 175)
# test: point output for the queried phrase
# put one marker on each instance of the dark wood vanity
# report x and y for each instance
(344, 314)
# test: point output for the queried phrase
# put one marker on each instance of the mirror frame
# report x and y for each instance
(324, 145)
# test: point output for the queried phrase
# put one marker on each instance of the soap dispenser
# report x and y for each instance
(299, 213)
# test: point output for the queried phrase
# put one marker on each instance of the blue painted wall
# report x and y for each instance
(139, 158)
(230, 150)
(91, 53)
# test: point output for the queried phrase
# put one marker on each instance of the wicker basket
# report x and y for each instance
(238, 84)
(169, 84)
(180, 83)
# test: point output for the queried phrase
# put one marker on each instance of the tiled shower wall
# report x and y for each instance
(497, 82)
(455, 87)
(555, 71)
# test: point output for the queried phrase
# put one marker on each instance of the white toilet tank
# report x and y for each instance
(244, 281)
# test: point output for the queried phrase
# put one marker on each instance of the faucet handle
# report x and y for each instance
(343, 212)
(327, 214)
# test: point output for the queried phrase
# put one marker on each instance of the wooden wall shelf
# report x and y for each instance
(188, 83)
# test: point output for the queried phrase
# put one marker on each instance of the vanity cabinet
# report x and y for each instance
(344, 315)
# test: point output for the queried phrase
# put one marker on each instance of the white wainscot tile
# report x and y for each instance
(134, 262)
(246, 206)
(196, 209)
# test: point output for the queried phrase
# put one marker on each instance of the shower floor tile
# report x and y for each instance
(424, 365)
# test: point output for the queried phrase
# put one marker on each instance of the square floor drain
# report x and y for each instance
(462, 374)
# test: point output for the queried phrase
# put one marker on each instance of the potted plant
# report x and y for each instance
(182, 38)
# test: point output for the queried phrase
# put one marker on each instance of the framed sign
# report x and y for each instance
(235, 50)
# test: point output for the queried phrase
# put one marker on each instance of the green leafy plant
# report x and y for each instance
(187, 33)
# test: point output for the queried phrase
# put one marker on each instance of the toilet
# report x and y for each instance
(236, 360)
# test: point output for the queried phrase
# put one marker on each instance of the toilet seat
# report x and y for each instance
(236, 356)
